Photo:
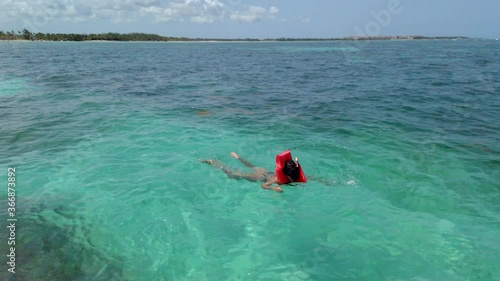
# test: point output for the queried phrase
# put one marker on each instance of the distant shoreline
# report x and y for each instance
(26, 35)
(247, 40)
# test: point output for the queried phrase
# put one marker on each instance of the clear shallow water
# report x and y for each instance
(402, 137)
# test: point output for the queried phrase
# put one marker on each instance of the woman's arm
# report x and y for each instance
(268, 185)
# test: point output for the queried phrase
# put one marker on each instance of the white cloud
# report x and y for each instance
(197, 11)
(254, 13)
(304, 19)
(73, 10)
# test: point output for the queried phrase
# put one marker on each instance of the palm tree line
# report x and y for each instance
(110, 36)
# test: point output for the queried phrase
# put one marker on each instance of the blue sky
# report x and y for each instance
(256, 18)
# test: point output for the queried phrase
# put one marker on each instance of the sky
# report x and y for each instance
(256, 18)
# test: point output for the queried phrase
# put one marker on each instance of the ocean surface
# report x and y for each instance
(400, 141)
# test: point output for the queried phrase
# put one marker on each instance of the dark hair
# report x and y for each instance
(291, 169)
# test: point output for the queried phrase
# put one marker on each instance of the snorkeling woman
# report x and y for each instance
(287, 169)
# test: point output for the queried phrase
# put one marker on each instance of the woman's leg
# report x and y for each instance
(233, 174)
(260, 173)
(245, 162)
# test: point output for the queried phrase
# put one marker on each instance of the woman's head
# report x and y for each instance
(291, 169)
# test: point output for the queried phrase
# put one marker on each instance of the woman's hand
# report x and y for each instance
(268, 185)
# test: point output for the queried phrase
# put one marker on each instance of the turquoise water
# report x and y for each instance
(401, 137)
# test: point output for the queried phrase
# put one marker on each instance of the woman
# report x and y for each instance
(291, 170)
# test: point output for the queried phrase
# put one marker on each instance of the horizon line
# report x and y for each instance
(40, 36)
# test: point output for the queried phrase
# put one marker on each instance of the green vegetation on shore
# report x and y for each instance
(27, 35)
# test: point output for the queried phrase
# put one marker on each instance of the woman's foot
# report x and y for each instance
(208, 161)
(213, 162)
